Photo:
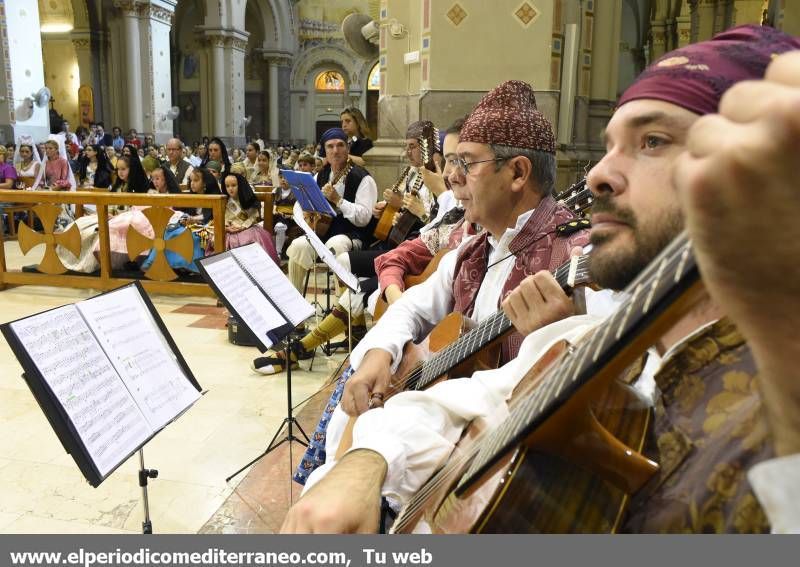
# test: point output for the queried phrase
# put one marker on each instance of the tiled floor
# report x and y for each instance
(42, 491)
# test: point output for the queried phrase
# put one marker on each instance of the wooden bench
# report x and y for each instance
(12, 225)
(157, 279)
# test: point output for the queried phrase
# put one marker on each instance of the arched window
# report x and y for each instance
(329, 81)
(374, 81)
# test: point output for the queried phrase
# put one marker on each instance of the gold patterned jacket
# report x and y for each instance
(709, 429)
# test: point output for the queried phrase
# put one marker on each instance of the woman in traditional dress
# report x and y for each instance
(93, 168)
(219, 153)
(130, 179)
(28, 165)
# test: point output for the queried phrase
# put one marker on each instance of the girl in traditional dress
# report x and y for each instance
(130, 179)
(265, 172)
(243, 217)
(202, 182)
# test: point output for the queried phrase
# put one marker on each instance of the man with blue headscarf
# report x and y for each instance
(352, 192)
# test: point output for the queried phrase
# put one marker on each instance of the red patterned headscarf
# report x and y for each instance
(507, 116)
(696, 76)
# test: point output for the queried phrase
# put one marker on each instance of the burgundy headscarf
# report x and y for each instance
(696, 76)
(507, 115)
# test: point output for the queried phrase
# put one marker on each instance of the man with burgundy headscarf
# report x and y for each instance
(504, 177)
(701, 485)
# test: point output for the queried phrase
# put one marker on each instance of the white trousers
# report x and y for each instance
(302, 256)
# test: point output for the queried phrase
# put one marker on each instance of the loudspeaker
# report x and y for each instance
(239, 334)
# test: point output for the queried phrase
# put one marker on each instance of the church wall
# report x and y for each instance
(62, 76)
(788, 16)
(490, 45)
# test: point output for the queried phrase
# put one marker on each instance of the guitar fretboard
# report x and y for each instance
(574, 272)
(658, 287)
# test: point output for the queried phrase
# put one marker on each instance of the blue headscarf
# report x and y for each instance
(332, 134)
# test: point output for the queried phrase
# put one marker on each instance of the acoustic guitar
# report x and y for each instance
(384, 226)
(457, 346)
(428, 145)
(321, 223)
(568, 456)
(410, 281)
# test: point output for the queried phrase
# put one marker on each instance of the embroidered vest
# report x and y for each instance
(340, 225)
(537, 247)
(709, 429)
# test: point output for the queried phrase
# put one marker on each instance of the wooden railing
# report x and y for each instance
(160, 278)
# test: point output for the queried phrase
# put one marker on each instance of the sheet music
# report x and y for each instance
(86, 384)
(347, 277)
(270, 277)
(141, 355)
(255, 310)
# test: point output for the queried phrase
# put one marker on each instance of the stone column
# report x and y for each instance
(236, 53)
(683, 26)
(658, 39)
(277, 62)
(21, 57)
(747, 12)
(273, 101)
(81, 41)
(133, 92)
(156, 22)
(705, 20)
(216, 81)
(225, 80)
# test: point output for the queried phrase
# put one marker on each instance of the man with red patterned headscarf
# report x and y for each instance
(504, 176)
(709, 428)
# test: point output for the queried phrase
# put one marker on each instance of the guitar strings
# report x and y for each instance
(536, 390)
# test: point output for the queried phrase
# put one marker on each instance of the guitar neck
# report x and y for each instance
(568, 275)
(659, 297)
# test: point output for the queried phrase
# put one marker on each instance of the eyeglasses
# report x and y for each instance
(463, 166)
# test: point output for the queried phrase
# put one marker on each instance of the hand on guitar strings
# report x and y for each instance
(414, 204)
(537, 301)
(331, 194)
(372, 377)
(393, 198)
(346, 500)
(738, 186)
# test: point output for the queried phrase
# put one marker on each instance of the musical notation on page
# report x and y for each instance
(86, 384)
(255, 309)
(141, 356)
(271, 279)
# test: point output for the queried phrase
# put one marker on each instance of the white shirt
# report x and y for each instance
(359, 212)
(416, 431)
(776, 484)
(420, 308)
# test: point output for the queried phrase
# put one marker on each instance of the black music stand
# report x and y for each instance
(290, 421)
(144, 475)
